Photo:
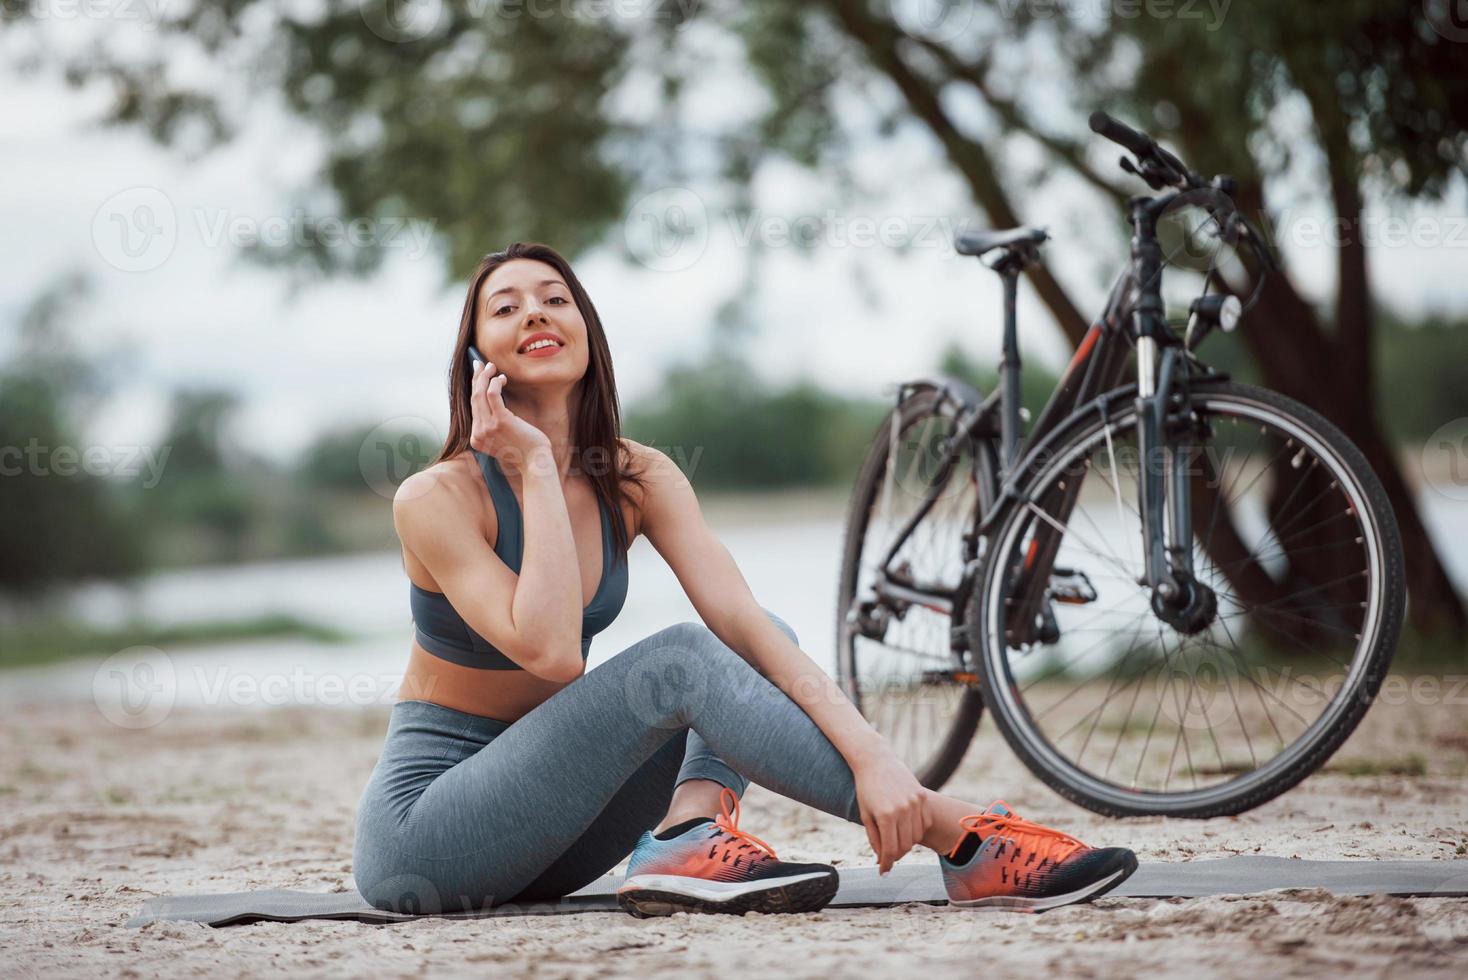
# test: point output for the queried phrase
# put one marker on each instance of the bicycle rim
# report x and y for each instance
(905, 681)
(1128, 713)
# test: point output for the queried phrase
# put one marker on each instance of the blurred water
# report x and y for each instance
(791, 567)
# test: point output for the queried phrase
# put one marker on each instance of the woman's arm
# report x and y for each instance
(523, 616)
(533, 618)
(891, 797)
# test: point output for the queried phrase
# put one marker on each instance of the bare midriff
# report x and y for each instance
(503, 695)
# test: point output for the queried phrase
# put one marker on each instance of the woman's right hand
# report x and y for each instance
(495, 430)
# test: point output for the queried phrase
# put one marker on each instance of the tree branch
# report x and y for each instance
(1009, 113)
(880, 38)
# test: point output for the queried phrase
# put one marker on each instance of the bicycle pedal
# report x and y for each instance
(1071, 586)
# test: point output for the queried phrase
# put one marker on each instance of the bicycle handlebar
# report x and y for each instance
(1121, 134)
(1159, 168)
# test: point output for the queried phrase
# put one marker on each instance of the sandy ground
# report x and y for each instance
(95, 819)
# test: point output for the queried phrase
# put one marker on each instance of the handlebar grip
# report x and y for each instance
(1120, 133)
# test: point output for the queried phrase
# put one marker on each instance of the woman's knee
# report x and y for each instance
(784, 627)
(692, 634)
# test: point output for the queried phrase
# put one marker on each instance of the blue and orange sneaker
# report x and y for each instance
(704, 865)
(1006, 862)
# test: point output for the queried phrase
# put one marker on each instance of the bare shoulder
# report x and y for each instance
(665, 496)
(450, 490)
(656, 470)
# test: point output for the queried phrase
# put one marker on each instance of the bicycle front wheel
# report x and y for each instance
(899, 642)
(1129, 705)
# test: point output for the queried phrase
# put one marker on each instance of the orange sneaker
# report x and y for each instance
(705, 865)
(1006, 862)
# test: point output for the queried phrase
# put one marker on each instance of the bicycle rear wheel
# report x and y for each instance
(896, 658)
(1129, 707)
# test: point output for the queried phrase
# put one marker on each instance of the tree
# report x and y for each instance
(497, 122)
(1386, 101)
(60, 521)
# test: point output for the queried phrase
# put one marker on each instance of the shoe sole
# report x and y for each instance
(1019, 903)
(654, 895)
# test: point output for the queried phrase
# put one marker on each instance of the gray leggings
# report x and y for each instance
(465, 812)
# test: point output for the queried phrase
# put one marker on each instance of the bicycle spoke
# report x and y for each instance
(1071, 533)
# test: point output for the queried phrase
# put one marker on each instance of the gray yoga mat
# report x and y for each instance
(1245, 875)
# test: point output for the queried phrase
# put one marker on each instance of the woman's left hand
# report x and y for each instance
(893, 807)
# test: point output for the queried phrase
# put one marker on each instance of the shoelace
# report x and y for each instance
(728, 821)
(1045, 842)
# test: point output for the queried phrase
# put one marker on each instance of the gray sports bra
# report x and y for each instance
(442, 631)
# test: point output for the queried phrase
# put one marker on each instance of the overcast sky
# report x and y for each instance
(187, 311)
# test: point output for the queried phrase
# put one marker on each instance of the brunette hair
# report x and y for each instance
(597, 428)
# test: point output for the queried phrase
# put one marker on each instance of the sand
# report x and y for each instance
(95, 819)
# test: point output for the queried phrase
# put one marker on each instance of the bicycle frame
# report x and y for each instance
(1133, 318)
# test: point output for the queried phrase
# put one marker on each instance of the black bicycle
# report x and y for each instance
(1176, 596)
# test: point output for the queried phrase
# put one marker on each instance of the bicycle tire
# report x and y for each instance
(927, 401)
(1308, 758)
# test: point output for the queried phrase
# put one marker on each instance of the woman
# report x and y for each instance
(510, 774)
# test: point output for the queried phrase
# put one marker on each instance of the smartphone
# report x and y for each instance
(475, 357)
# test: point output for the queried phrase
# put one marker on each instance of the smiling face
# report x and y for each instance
(529, 326)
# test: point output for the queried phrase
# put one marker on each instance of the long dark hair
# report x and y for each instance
(597, 428)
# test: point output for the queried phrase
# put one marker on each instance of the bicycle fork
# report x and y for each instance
(1164, 505)
(1165, 492)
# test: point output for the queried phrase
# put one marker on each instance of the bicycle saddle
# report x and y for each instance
(986, 240)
